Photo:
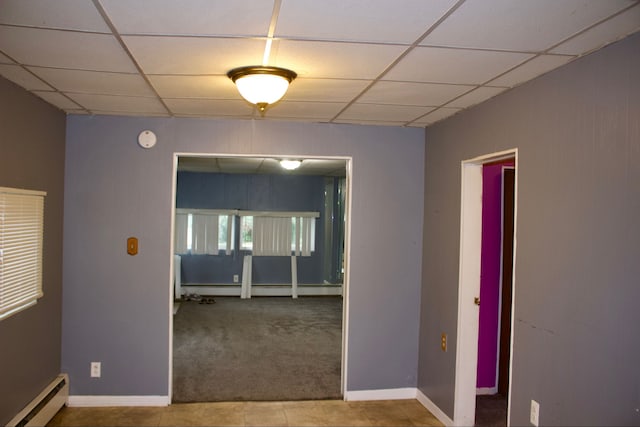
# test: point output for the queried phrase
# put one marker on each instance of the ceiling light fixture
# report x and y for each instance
(290, 164)
(262, 86)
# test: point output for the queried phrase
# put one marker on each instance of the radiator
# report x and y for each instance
(41, 409)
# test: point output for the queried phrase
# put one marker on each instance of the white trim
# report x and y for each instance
(468, 288)
(22, 191)
(433, 408)
(98, 401)
(486, 390)
(346, 276)
(382, 394)
(469, 281)
(347, 257)
(174, 184)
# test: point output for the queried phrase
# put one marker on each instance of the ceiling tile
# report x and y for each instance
(600, 35)
(422, 94)
(305, 110)
(211, 87)
(373, 112)
(190, 17)
(334, 60)
(5, 59)
(22, 77)
(435, 116)
(94, 82)
(124, 104)
(459, 66)
(64, 49)
(529, 70)
(359, 20)
(476, 96)
(57, 99)
(371, 122)
(530, 25)
(69, 14)
(193, 55)
(325, 90)
(203, 107)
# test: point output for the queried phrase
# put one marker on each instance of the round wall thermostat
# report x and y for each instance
(147, 139)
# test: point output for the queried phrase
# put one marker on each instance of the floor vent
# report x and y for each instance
(41, 409)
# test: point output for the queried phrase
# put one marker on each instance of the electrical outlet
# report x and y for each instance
(443, 342)
(236, 278)
(535, 413)
(95, 370)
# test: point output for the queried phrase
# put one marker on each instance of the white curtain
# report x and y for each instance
(204, 234)
(272, 236)
(181, 231)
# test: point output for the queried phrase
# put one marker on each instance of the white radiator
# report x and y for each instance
(41, 409)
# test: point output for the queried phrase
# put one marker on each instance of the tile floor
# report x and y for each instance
(297, 413)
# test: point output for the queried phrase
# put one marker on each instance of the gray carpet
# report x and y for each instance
(491, 411)
(266, 348)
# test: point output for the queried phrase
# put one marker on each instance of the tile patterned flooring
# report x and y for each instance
(295, 413)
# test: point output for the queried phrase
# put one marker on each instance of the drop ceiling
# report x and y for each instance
(261, 165)
(393, 62)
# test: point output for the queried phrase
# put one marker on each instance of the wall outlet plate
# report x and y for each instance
(95, 369)
(236, 278)
(535, 413)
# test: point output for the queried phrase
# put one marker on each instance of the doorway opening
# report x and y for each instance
(265, 289)
(483, 359)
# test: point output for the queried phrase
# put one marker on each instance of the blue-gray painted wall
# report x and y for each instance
(576, 291)
(197, 190)
(117, 307)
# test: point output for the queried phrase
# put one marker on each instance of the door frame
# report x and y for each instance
(469, 284)
(347, 252)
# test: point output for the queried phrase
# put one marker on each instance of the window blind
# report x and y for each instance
(21, 235)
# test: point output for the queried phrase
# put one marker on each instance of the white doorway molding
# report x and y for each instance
(469, 284)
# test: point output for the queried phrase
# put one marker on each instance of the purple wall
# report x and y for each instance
(490, 273)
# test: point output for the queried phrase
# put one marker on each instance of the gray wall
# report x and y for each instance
(261, 192)
(576, 348)
(32, 156)
(116, 307)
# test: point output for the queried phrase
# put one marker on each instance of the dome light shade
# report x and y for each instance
(262, 86)
(290, 164)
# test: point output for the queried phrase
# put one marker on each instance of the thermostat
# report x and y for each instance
(147, 139)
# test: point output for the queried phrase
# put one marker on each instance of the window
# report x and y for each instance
(21, 234)
(269, 234)
(200, 231)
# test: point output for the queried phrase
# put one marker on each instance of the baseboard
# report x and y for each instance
(384, 394)
(96, 401)
(279, 290)
(433, 408)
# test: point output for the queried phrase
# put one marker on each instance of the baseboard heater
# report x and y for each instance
(42, 409)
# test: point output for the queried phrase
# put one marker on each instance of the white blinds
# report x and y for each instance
(272, 236)
(305, 235)
(205, 234)
(21, 234)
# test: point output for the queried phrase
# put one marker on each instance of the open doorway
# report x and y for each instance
(498, 185)
(239, 318)
(474, 344)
